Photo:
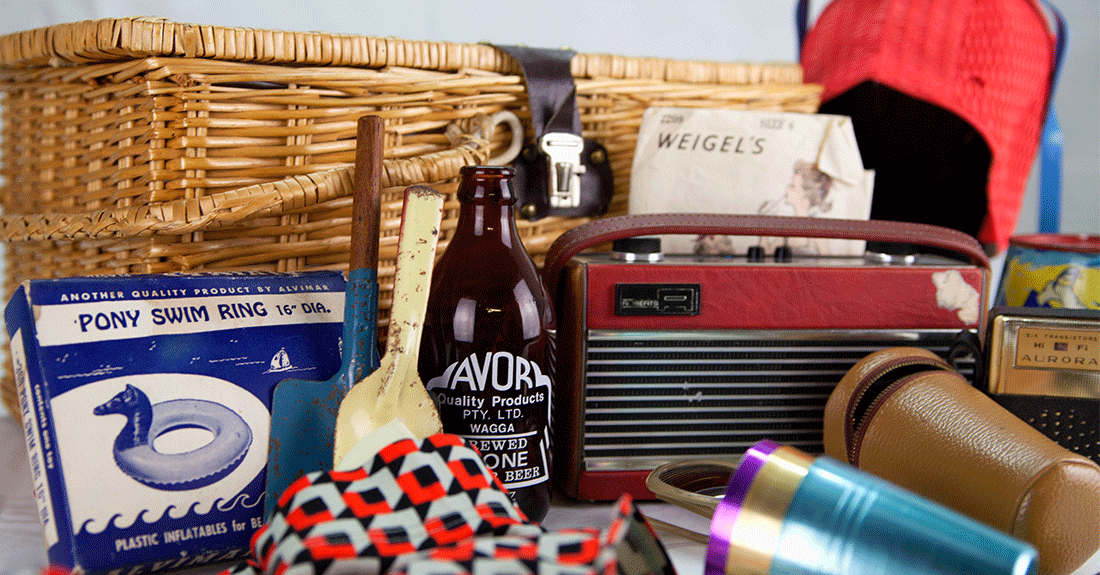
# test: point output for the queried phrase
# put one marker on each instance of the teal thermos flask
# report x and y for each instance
(785, 513)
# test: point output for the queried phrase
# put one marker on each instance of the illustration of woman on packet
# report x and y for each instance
(807, 196)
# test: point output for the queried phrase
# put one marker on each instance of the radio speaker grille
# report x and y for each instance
(655, 397)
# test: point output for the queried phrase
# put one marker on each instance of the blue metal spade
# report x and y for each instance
(303, 413)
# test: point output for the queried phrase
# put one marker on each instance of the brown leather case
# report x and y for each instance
(905, 415)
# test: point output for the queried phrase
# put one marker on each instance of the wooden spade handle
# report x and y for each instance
(367, 198)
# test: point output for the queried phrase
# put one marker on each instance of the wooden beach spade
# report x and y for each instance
(303, 413)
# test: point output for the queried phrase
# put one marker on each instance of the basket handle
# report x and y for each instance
(185, 216)
(604, 230)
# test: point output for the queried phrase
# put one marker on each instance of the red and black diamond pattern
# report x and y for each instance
(418, 503)
(564, 552)
(628, 547)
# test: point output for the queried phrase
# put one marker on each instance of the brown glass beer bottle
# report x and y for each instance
(486, 350)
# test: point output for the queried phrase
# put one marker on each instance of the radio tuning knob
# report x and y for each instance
(783, 254)
(755, 254)
(641, 249)
(891, 253)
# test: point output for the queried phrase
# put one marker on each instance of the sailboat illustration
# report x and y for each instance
(281, 361)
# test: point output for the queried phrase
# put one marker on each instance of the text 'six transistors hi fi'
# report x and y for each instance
(1043, 364)
(671, 357)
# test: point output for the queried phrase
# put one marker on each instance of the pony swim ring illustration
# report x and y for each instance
(136, 455)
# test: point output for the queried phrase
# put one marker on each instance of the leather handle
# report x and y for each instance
(613, 228)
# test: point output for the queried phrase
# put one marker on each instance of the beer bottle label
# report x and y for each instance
(500, 403)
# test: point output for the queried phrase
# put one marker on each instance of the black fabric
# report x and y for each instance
(931, 166)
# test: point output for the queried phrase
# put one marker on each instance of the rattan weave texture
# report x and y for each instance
(140, 145)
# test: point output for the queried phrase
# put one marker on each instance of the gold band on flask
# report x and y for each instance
(754, 535)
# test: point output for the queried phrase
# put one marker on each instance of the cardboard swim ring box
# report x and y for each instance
(146, 401)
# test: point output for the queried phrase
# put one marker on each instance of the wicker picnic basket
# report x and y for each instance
(140, 145)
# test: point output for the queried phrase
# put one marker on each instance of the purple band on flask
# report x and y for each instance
(726, 513)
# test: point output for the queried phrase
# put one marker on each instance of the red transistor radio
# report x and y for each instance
(670, 357)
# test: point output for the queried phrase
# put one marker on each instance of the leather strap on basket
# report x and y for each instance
(552, 95)
(609, 229)
(559, 163)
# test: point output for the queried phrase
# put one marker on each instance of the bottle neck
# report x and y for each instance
(487, 204)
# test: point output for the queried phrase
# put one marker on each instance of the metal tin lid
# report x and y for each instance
(1079, 243)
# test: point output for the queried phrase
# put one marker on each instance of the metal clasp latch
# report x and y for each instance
(563, 157)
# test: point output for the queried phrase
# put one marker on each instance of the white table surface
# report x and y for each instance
(22, 551)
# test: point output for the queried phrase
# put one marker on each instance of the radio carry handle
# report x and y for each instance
(613, 228)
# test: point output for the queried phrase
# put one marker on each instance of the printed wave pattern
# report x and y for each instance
(193, 516)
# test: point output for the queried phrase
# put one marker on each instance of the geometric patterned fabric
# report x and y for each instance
(426, 506)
